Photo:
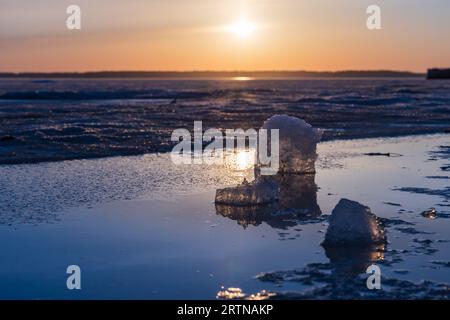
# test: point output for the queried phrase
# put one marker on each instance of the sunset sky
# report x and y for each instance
(223, 35)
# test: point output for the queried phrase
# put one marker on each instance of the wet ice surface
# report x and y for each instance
(33, 193)
(76, 119)
(140, 227)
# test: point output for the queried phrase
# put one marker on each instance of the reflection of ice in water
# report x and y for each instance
(297, 200)
(299, 191)
(350, 261)
(255, 215)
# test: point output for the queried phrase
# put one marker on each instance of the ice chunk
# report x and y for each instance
(260, 191)
(430, 214)
(352, 224)
(298, 141)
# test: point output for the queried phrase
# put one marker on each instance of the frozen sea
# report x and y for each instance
(57, 119)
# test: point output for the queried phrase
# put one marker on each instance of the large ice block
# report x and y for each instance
(297, 143)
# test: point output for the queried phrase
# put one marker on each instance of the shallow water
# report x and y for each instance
(141, 227)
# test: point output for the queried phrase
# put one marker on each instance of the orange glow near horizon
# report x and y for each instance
(200, 35)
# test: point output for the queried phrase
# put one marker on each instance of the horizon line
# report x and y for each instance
(218, 73)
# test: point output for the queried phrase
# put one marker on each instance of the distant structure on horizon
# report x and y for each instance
(438, 73)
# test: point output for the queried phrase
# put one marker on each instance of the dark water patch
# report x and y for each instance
(393, 204)
(445, 193)
(424, 242)
(437, 177)
(444, 204)
(443, 152)
(7, 138)
(394, 222)
(401, 271)
(410, 230)
(101, 95)
(443, 215)
(438, 263)
(43, 81)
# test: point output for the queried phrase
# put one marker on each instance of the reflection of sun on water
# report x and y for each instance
(230, 293)
(245, 160)
(240, 162)
(237, 293)
(242, 78)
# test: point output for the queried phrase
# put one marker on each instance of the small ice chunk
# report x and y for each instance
(430, 214)
(352, 224)
(260, 191)
(298, 141)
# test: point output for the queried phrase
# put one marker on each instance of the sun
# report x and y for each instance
(243, 28)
